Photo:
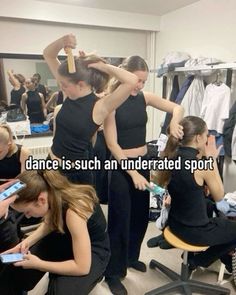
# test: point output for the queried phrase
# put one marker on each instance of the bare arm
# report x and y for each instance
(112, 101)
(50, 105)
(212, 177)
(81, 263)
(23, 102)
(170, 107)
(25, 153)
(15, 83)
(51, 51)
(56, 110)
(110, 133)
(43, 104)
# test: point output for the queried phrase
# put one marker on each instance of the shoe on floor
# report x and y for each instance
(138, 265)
(154, 242)
(116, 287)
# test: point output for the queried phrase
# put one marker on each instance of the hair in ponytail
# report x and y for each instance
(192, 126)
(131, 64)
(79, 198)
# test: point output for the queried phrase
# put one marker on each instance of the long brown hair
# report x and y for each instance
(6, 137)
(131, 64)
(97, 79)
(192, 126)
(79, 198)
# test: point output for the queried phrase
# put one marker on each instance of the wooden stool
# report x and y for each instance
(181, 283)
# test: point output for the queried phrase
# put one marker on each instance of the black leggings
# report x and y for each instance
(219, 234)
(128, 210)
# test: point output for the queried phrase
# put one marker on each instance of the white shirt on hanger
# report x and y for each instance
(192, 101)
(215, 106)
(233, 144)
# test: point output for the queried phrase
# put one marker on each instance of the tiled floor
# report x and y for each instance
(139, 283)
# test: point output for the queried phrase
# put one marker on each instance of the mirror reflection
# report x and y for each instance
(29, 91)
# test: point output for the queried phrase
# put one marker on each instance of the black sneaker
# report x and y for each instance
(155, 242)
(138, 265)
(116, 287)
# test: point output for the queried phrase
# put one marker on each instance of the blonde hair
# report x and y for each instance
(79, 198)
(6, 137)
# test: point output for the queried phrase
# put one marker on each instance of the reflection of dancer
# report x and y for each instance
(188, 217)
(82, 112)
(17, 81)
(71, 243)
(56, 98)
(125, 133)
(33, 102)
(40, 87)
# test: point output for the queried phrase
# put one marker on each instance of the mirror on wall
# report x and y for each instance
(27, 65)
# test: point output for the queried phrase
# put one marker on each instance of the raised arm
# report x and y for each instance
(50, 53)
(112, 101)
(15, 83)
(170, 107)
(110, 133)
(212, 176)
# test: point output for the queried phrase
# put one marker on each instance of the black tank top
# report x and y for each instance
(75, 128)
(188, 205)
(11, 167)
(16, 95)
(34, 106)
(97, 229)
(131, 119)
(60, 97)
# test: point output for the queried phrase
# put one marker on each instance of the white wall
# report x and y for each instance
(30, 37)
(205, 28)
(73, 14)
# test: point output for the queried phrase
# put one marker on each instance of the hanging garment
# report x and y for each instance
(192, 101)
(216, 106)
(233, 145)
(228, 130)
(184, 88)
(173, 95)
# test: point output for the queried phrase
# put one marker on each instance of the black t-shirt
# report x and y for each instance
(10, 167)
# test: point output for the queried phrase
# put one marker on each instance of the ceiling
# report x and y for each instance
(153, 7)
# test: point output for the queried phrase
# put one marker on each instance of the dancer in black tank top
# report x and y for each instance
(71, 244)
(128, 205)
(188, 217)
(17, 81)
(12, 163)
(82, 112)
(33, 103)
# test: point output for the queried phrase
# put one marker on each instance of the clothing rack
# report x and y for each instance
(222, 66)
